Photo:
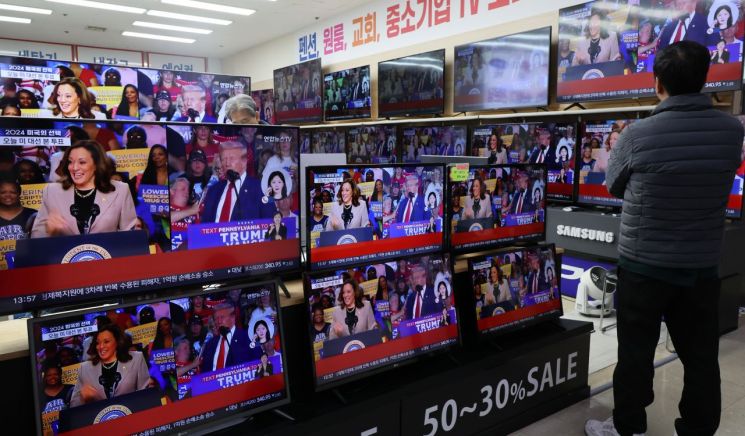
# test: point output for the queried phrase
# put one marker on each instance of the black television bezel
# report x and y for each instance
(493, 244)
(544, 103)
(197, 290)
(405, 113)
(365, 115)
(314, 119)
(520, 324)
(362, 374)
(332, 168)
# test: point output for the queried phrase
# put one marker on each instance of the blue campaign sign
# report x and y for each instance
(236, 233)
(572, 269)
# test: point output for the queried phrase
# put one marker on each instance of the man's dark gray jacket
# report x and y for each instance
(674, 171)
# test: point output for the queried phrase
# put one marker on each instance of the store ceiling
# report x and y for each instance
(69, 24)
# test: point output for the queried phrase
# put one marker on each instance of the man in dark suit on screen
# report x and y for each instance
(411, 208)
(687, 25)
(544, 153)
(231, 346)
(536, 277)
(422, 301)
(239, 196)
(522, 201)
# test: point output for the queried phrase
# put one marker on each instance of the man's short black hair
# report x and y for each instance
(682, 67)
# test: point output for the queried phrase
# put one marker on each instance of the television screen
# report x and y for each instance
(734, 206)
(607, 49)
(297, 93)
(346, 94)
(372, 144)
(441, 141)
(412, 85)
(515, 287)
(372, 213)
(164, 366)
(597, 139)
(496, 205)
(159, 209)
(328, 141)
(506, 72)
(549, 143)
(401, 309)
(116, 92)
(264, 99)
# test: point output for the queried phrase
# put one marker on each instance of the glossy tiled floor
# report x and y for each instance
(668, 384)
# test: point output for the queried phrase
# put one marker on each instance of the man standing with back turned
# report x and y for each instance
(674, 171)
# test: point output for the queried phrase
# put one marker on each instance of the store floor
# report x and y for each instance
(668, 384)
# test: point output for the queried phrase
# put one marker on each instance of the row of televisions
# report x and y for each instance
(606, 51)
(157, 365)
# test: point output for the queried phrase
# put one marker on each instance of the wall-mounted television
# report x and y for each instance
(501, 73)
(167, 205)
(346, 94)
(264, 99)
(361, 213)
(495, 205)
(158, 364)
(434, 140)
(116, 92)
(372, 144)
(607, 49)
(297, 93)
(375, 316)
(412, 85)
(549, 143)
(515, 288)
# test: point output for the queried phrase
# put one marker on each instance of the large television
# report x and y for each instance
(160, 215)
(495, 205)
(514, 288)
(371, 144)
(550, 143)
(117, 92)
(375, 316)
(362, 213)
(597, 139)
(434, 140)
(628, 35)
(734, 206)
(412, 85)
(502, 73)
(346, 94)
(160, 365)
(297, 93)
(264, 99)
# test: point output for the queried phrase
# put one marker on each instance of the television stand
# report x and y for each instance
(283, 414)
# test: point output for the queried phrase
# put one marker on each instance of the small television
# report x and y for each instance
(549, 143)
(494, 205)
(360, 213)
(346, 94)
(515, 288)
(502, 73)
(597, 139)
(607, 50)
(329, 140)
(297, 93)
(372, 144)
(403, 309)
(734, 205)
(162, 221)
(264, 99)
(156, 365)
(412, 85)
(433, 140)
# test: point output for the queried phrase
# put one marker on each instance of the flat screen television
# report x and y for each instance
(361, 213)
(495, 205)
(346, 94)
(264, 99)
(434, 140)
(620, 64)
(734, 206)
(597, 139)
(331, 140)
(372, 144)
(549, 143)
(156, 95)
(404, 308)
(501, 73)
(165, 220)
(515, 288)
(412, 85)
(297, 93)
(170, 375)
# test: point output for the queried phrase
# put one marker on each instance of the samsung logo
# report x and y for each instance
(587, 234)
